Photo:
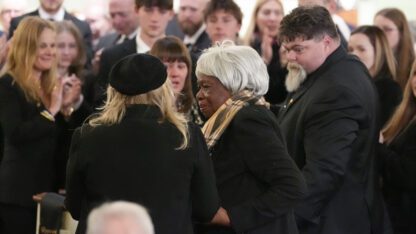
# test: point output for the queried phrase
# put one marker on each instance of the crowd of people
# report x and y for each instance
(302, 125)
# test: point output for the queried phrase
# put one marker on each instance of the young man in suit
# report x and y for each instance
(154, 16)
(54, 10)
(329, 123)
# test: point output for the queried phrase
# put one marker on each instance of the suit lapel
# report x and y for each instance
(293, 98)
(130, 46)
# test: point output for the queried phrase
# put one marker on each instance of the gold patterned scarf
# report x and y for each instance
(219, 121)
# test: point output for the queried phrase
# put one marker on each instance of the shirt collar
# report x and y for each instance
(58, 16)
(141, 46)
(192, 39)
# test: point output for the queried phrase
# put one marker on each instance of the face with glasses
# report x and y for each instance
(308, 53)
(390, 29)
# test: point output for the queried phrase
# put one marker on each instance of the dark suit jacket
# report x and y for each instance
(83, 27)
(389, 95)
(136, 160)
(29, 142)
(259, 184)
(203, 42)
(65, 129)
(330, 127)
(109, 57)
(277, 90)
(399, 179)
(107, 41)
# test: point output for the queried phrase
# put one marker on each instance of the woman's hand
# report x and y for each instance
(56, 98)
(266, 46)
(71, 91)
(381, 138)
(221, 218)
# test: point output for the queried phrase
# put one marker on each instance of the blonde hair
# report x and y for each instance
(22, 57)
(405, 114)
(116, 104)
(252, 28)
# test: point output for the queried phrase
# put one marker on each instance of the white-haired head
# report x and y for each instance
(119, 217)
(236, 67)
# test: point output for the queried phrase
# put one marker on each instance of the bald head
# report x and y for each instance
(10, 9)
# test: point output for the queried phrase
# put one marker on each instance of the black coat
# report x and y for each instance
(27, 165)
(258, 182)
(136, 161)
(399, 179)
(330, 127)
(389, 95)
(277, 92)
(107, 41)
(83, 27)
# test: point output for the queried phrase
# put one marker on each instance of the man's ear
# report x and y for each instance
(171, 14)
(327, 40)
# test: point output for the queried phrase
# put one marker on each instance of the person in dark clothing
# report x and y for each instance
(76, 106)
(113, 156)
(262, 36)
(54, 11)
(370, 45)
(30, 98)
(329, 122)
(398, 154)
(258, 183)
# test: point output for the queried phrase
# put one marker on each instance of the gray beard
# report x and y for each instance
(295, 77)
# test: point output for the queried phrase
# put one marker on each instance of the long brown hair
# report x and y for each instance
(79, 61)
(383, 55)
(405, 113)
(22, 57)
(171, 49)
(253, 28)
(405, 54)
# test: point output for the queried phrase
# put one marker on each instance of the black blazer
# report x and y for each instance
(277, 92)
(330, 127)
(136, 160)
(399, 179)
(65, 129)
(203, 42)
(107, 41)
(109, 57)
(389, 95)
(259, 184)
(27, 165)
(83, 27)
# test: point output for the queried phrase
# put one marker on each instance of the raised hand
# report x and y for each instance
(266, 46)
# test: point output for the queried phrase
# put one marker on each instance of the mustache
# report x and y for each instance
(295, 77)
(294, 66)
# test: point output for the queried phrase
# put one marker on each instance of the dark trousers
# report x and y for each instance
(16, 219)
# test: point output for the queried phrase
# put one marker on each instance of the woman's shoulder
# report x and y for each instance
(6, 80)
(255, 114)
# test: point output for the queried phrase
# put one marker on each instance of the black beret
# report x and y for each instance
(137, 74)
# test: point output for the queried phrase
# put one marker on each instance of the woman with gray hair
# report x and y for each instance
(257, 181)
(120, 217)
